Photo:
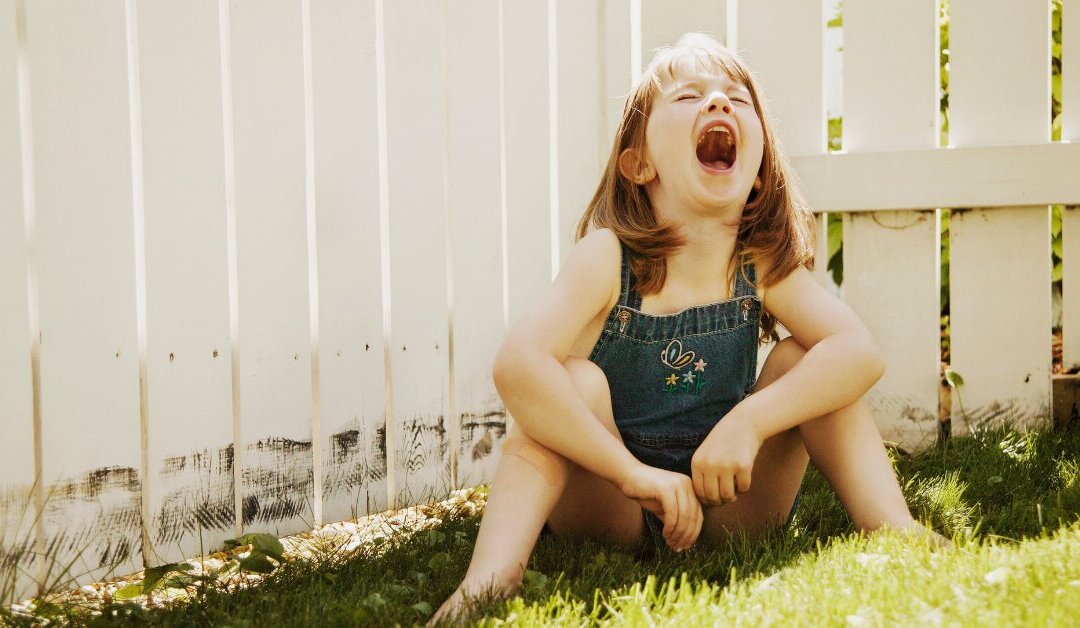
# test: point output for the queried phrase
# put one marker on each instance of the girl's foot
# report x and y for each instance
(465, 599)
(919, 531)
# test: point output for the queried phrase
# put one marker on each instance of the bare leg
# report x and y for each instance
(531, 486)
(522, 496)
(845, 446)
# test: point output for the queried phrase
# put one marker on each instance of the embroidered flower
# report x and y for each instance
(688, 377)
(700, 364)
(672, 380)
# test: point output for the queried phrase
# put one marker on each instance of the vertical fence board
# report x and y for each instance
(272, 266)
(16, 393)
(352, 370)
(899, 250)
(476, 233)
(664, 21)
(581, 112)
(1070, 72)
(1070, 227)
(1000, 258)
(616, 69)
(189, 438)
(890, 280)
(86, 270)
(793, 81)
(528, 153)
(1070, 287)
(415, 107)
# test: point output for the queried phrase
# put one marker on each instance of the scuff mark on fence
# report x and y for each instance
(278, 480)
(197, 492)
(97, 515)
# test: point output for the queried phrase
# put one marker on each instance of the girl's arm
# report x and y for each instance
(528, 370)
(842, 360)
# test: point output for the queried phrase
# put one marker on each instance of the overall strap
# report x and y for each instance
(745, 285)
(628, 296)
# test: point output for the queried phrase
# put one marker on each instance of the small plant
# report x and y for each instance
(263, 548)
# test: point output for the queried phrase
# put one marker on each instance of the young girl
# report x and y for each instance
(632, 380)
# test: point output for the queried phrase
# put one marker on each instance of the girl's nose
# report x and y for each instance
(718, 102)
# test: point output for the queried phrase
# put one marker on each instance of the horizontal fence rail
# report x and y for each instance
(256, 257)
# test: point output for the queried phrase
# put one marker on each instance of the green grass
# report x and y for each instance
(1011, 501)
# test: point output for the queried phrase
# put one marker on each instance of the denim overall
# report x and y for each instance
(674, 376)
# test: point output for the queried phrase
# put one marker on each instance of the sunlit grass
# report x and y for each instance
(1010, 501)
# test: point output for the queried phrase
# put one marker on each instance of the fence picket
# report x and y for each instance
(582, 130)
(189, 436)
(1070, 219)
(85, 258)
(662, 22)
(272, 266)
(351, 356)
(1000, 258)
(16, 393)
(415, 105)
(475, 196)
(897, 250)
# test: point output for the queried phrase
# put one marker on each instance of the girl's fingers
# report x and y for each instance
(671, 513)
(699, 485)
(712, 491)
(727, 487)
(742, 482)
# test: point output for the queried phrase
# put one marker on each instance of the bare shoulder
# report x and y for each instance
(599, 255)
(582, 292)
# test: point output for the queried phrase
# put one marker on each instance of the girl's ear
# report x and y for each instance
(635, 168)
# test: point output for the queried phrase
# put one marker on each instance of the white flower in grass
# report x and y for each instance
(997, 576)
(873, 560)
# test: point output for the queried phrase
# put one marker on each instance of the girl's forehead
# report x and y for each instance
(698, 68)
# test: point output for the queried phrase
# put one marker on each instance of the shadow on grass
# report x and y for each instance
(997, 483)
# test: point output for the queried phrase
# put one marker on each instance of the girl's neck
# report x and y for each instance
(702, 264)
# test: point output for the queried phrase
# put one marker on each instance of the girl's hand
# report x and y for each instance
(721, 465)
(670, 496)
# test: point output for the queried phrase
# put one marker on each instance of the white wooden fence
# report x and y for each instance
(256, 256)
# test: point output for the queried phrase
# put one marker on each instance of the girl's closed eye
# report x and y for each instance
(686, 96)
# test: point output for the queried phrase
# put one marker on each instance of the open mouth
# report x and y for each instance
(716, 148)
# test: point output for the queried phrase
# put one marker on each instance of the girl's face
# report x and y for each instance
(704, 140)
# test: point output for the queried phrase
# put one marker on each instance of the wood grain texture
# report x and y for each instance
(352, 369)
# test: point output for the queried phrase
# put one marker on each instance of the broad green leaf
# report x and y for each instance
(423, 608)
(257, 562)
(1056, 275)
(265, 543)
(128, 592)
(953, 378)
(155, 574)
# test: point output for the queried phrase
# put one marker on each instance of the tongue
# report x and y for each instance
(710, 152)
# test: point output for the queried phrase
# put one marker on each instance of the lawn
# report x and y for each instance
(1010, 501)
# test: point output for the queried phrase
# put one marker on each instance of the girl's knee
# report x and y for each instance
(547, 462)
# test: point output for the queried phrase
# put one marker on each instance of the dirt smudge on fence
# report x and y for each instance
(96, 515)
(480, 432)
(278, 480)
(197, 493)
(357, 457)
(423, 443)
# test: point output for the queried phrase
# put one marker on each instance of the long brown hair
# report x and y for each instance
(776, 223)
